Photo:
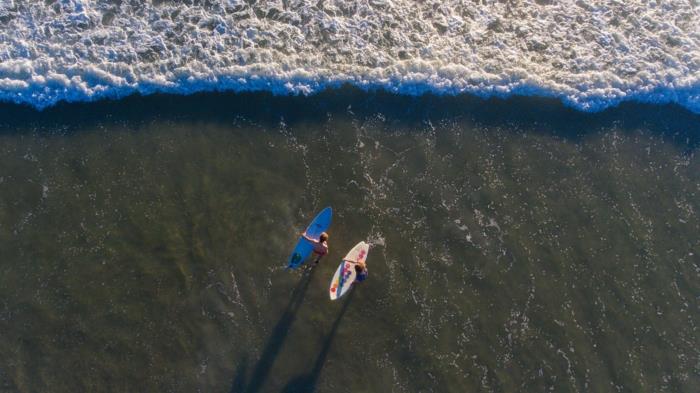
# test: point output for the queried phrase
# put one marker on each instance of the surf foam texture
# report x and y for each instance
(589, 54)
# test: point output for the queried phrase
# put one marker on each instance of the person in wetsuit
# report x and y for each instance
(361, 270)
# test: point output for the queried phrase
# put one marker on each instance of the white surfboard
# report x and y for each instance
(345, 275)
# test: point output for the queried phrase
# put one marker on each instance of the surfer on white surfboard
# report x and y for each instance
(320, 245)
(352, 269)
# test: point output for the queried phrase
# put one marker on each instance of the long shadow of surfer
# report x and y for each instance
(306, 383)
(274, 343)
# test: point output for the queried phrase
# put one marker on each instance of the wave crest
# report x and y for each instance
(591, 56)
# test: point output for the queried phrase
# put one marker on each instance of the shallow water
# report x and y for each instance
(516, 246)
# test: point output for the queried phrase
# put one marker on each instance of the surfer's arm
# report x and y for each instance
(308, 238)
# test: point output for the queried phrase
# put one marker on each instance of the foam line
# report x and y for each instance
(590, 56)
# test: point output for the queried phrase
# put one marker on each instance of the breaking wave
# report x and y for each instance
(590, 55)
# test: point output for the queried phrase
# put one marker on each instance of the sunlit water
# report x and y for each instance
(515, 246)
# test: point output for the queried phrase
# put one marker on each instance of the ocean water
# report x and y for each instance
(515, 245)
(589, 54)
(546, 242)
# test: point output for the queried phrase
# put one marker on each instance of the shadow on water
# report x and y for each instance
(274, 343)
(238, 384)
(542, 115)
(305, 383)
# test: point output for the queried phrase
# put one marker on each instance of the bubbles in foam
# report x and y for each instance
(590, 56)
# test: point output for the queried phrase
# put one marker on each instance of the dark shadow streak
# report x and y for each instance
(239, 381)
(274, 343)
(546, 116)
(306, 383)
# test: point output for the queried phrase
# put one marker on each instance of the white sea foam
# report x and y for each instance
(589, 54)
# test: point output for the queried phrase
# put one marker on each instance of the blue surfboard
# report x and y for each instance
(304, 248)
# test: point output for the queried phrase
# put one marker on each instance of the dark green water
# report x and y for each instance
(516, 246)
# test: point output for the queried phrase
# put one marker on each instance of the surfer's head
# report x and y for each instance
(323, 237)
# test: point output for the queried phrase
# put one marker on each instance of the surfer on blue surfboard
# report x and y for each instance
(314, 240)
(320, 245)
